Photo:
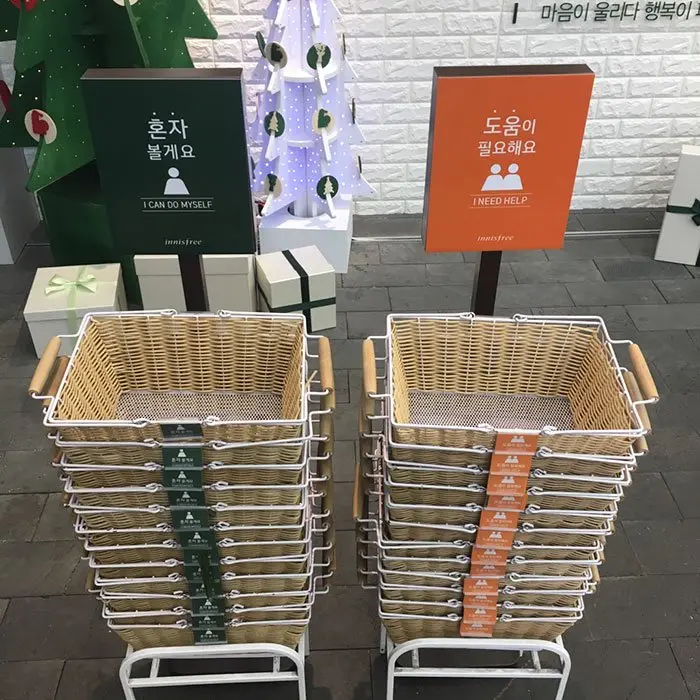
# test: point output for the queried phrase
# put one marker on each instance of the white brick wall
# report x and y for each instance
(646, 102)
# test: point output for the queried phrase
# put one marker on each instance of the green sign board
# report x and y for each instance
(173, 160)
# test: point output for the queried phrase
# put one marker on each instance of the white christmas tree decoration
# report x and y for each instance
(305, 126)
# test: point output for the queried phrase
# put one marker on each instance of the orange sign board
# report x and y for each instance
(504, 149)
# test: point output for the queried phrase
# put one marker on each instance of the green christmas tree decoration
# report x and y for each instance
(57, 41)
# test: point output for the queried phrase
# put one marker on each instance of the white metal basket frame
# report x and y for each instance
(595, 321)
(586, 588)
(218, 445)
(49, 412)
(83, 531)
(105, 596)
(627, 464)
(577, 606)
(505, 617)
(184, 613)
(472, 489)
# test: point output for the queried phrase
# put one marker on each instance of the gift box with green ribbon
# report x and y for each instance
(679, 241)
(61, 296)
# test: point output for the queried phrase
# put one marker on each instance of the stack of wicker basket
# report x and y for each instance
(493, 461)
(197, 461)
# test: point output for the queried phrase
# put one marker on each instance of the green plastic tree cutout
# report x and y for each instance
(58, 40)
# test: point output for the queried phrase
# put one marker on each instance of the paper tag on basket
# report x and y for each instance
(481, 586)
(494, 519)
(181, 431)
(516, 504)
(506, 485)
(495, 539)
(496, 571)
(190, 518)
(209, 636)
(512, 465)
(488, 556)
(182, 458)
(486, 615)
(516, 443)
(478, 601)
(191, 498)
(475, 629)
(208, 607)
(182, 479)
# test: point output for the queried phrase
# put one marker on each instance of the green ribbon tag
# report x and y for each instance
(198, 540)
(185, 519)
(181, 431)
(209, 636)
(84, 282)
(207, 606)
(210, 622)
(182, 479)
(693, 210)
(186, 499)
(199, 556)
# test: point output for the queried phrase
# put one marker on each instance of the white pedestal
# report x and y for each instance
(333, 237)
(679, 241)
(19, 214)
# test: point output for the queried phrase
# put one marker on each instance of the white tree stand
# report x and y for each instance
(275, 652)
(523, 646)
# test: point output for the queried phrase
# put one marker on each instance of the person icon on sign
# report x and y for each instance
(175, 185)
(512, 181)
(494, 181)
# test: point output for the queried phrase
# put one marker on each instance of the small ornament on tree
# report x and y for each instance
(273, 188)
(326, 189)
(274, 128)
(40, 126)
(318, 57)
(27, 4)
(277, 56)
(261, 42)
(323, 123)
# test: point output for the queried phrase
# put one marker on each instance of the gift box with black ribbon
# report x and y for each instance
(298, 281)
(679, 241)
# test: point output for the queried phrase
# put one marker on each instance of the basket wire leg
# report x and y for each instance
(275, 652)
(531, 646)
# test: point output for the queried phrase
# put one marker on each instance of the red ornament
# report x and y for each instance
(5, 96)
(39, 125)
(28, 4)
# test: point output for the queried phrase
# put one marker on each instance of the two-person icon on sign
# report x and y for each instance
(497, 182)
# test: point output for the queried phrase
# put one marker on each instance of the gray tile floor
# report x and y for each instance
(640, 638)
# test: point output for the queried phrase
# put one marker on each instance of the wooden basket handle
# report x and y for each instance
(325, 364)
(358, 495)
(43, 369)
(61, 367)
(369, 368)
(640, 445)
(642, 374)
(90, 581)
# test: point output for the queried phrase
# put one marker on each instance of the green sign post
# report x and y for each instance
(173, 161)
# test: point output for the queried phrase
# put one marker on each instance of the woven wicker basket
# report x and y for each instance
(160, 367)
(158, 535)
(173, 583)
(142, 637)
(448, 376)
(405, 629)
(155, 494)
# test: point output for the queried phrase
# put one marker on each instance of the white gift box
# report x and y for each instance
(161, 282)
(229, 282)
(298, 281)
(333, 237)
(61, 296)
(679, 241)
